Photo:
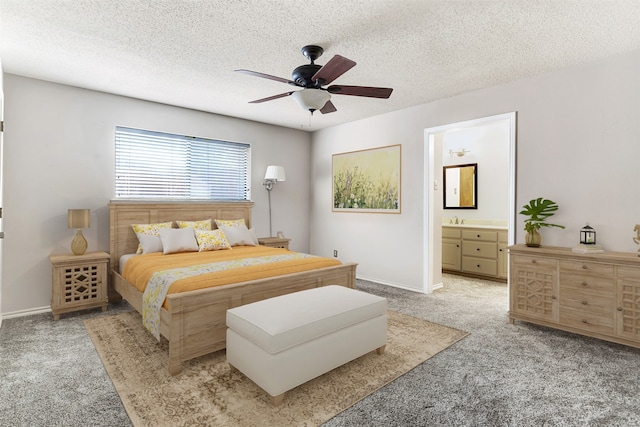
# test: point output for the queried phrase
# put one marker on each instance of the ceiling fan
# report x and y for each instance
(312, 77)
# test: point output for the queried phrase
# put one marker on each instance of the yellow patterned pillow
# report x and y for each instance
(204, 224)
(149, 230)
(230, 222)
(211, 240)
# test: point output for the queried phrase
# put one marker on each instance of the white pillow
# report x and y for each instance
(239, 235)
(149, 243)
(178, 240)
(254, 237)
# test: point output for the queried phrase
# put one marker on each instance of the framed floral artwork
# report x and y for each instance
(367, 180)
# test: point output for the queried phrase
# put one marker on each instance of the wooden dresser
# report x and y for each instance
(590, 294)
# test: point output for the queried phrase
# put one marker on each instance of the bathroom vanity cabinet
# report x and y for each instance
(475, 251)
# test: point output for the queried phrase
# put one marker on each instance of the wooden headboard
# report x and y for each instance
(122, 239)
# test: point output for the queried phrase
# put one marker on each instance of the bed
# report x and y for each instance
(194, 322)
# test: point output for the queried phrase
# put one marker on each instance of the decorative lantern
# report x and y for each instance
(587, 235)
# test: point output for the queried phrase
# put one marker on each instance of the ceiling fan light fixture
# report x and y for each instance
(311, 99)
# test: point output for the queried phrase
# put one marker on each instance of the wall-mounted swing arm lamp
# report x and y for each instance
(271, 177)
(78, 219)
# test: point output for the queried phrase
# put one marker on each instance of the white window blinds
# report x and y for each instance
(156, 165)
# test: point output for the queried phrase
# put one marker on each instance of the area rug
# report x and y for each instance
(208, 393)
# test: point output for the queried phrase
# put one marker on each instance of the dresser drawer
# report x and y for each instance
(488, 236)
(480, 249)
(450, 233)
(587, 321)
(530, 261)
(480, 266)
(587, 268)
(629, 273)
(586, 282)
(588, 301)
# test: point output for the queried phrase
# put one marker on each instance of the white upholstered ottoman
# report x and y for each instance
(282, 342)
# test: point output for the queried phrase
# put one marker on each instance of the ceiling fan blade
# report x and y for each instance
(266, 76)
(370, 92)
(270, 98)
(328, 108)
(337, 66)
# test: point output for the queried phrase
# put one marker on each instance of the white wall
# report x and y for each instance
(488, 146)
(59, 151)
(577, 144)
(1, 174)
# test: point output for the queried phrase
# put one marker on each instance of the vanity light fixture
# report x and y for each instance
(459, 153)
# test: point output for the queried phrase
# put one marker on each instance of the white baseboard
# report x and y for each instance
(395, 285)
(28, 312)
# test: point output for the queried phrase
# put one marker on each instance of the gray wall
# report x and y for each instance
(577, 144)
(59, 154)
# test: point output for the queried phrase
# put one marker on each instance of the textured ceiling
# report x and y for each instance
(183, 52)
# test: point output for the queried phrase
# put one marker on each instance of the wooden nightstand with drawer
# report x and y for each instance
(79, 282)
(274, 242)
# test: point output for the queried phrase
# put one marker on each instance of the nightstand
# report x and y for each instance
(79, 282)
(274, 242)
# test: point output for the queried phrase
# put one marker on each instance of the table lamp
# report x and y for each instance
(79, 219)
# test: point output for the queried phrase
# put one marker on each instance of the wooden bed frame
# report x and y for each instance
(194, 322)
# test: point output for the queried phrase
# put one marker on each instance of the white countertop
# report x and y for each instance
(489, 224)
(488, 227)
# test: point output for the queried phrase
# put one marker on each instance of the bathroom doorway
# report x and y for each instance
(456, 141)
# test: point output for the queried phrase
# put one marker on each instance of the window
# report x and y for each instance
(156, 165)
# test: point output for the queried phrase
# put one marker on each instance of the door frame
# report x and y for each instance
(432, 209)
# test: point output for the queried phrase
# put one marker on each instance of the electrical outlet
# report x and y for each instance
(335, 253)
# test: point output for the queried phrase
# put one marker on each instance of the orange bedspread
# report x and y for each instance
(139, 269)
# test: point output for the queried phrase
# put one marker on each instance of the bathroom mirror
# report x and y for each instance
(460, 184)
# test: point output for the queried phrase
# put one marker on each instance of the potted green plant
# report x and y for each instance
(538, 210)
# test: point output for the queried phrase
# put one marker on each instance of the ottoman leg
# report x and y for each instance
(380, 350)
(277, 400)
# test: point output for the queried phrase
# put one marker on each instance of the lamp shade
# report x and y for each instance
(78, 218)
(275, 173)
(311, 99)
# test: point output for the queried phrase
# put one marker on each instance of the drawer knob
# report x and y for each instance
(584, 303)
(533, 261)
(584, 321)
(478, 236)
(478, 265)
(584, 283)
(478, 249)
(553, 297)
(584, 267)
(619, 308)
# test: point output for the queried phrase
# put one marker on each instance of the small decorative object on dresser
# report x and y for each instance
(538, 211)
(588, 243)
(79, 282)
(637, 238)
(274, 242)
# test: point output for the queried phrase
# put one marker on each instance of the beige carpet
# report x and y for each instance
(207, 392)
